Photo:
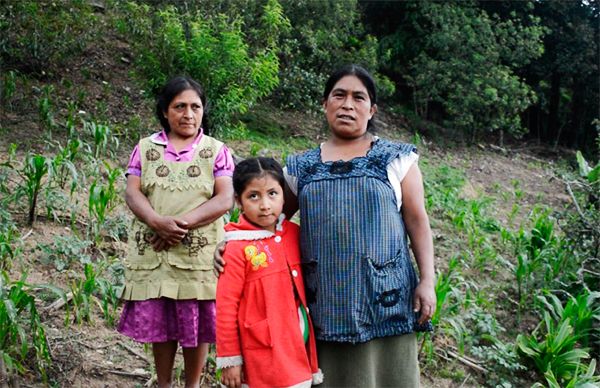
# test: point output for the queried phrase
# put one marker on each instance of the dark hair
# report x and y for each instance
(252, 168)
(359, 72)
(171, 89)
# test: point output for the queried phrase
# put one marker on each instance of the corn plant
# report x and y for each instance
(64, 163)
(21, 331)
(45, 109)
(9, 247)
(109, 300)
(83, 290)
(445, 289)
(103, 137)
(9, 86)
(102, 199)
(36, 167)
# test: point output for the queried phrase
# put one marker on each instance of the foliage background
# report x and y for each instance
(517, 270)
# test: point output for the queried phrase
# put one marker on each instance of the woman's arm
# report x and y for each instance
(170, 230)
(419, 232)
(219, 204)
(290, 205)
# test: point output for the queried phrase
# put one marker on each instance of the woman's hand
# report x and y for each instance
(425, 301)
(169, 231)
(232, 376)
(218, 261)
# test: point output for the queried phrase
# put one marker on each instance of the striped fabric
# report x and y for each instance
(358, 272)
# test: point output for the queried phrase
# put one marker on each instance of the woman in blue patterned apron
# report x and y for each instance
(360, 197)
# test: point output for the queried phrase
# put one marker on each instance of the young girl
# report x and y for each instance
(178, 188)
(264, 335)
(359, 196)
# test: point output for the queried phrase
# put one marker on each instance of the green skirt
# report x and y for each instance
(382, 362)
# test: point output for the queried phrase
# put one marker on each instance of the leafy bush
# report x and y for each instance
(210, 48)
(64, 250)
(323, 36)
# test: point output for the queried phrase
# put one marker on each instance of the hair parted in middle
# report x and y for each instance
(363, 75)
(171, 90)
(249, 169)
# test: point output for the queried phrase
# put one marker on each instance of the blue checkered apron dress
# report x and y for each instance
(359, 276)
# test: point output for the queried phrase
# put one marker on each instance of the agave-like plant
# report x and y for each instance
(556, 349)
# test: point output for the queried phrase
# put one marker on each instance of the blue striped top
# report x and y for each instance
(359, 276)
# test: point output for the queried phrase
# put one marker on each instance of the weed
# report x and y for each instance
(503, 356)
(582, 311)
(64, 250)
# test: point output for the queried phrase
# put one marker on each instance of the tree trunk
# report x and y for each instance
(554, 106)
(575, 133)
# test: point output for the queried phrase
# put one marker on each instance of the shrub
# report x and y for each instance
(211, 49)
(39, 37)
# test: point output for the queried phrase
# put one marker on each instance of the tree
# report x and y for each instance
(567, 76)
(467, 65)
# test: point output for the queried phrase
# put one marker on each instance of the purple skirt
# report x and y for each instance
(189, 322)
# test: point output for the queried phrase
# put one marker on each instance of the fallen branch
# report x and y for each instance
(27, 234)
(465, 381)
(151, 381)
(136, 374)
(470, 363)
(60, 302)
(581, 214)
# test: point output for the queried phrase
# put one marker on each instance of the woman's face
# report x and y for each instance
(348, 108)
(185, 114)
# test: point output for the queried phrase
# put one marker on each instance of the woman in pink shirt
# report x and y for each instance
(178, 188)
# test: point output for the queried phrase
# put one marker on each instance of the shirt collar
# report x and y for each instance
(161, 138)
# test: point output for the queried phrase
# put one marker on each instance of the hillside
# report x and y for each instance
(488, 206)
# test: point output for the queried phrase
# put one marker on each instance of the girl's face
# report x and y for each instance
(185, 114)
(262, 202)
(348, 108)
